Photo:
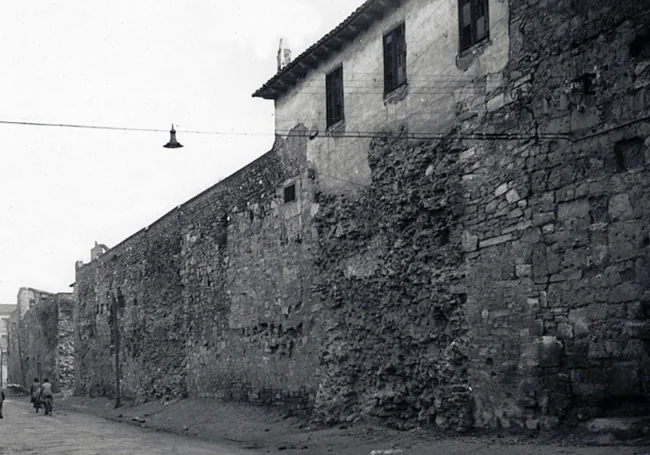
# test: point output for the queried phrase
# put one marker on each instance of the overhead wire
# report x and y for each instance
(447, 84)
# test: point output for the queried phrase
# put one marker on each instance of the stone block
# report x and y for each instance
(540, 219)
(496, 103)
(532, 424)
(620, 208)
(466, 155)
(469, 241)
(501, 190)
(638, 329)
(540, 266)
(636, 310)
(495, 240)
(516, 213)
(573, 210)
(512, 196)
(626, 292)
(491, 206)
(564, 331)
(524, 270)
(626, 239)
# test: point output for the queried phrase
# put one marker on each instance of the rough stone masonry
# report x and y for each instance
(41, 343)
(499, 280)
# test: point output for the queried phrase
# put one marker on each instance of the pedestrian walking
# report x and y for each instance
(46, 396)
(35, 392)
(2, 400)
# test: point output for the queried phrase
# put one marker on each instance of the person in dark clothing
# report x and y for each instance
(2, 399)
(34, 392)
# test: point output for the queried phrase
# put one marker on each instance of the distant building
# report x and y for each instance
(5, 313)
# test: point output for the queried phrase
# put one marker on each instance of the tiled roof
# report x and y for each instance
(359, 21)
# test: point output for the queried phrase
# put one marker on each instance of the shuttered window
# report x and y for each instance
(334, 96)
(394, 59)
(474, 23)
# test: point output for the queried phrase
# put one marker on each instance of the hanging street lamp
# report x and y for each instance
(173, 143)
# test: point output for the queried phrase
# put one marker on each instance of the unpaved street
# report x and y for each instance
(69, 433)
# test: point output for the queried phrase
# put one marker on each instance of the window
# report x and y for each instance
(473, 22)
(334, 94)
(290, 193)
(394, 59)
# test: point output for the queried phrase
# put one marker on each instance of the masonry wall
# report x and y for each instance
(42, 345)
(211, 300)
(493, 278)
(557, 249)
(503, 282)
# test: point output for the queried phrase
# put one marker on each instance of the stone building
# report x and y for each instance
(451, 228)
(28, 297)
(5, 313)
(41, 341)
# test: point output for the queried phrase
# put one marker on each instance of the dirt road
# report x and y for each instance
(78, 428)
(70, 433)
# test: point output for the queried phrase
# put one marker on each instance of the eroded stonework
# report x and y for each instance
(493, 274)
(42, 343)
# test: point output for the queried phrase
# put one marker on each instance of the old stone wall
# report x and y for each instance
(506, 283)
(211, 300)
(556, 243)
(66, 344)
(391, 274)
(492, 275)
(42, 343)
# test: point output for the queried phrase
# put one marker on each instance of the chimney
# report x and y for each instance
(284, 55)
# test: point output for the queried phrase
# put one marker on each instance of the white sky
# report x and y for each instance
(142, 64)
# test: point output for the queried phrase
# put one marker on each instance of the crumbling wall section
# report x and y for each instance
(39, 342)
(37, 348)
(66, 344)
(391, 279)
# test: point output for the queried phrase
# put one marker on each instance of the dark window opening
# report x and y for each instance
(628, 154)
(473, 22)
(290, 193)
(334, 96)
(394, 59)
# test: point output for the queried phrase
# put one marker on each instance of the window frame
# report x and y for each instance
(474, 40)
(334, 97)
(395, 75)
(289, 189)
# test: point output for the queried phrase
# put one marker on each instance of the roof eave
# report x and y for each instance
(358, 22)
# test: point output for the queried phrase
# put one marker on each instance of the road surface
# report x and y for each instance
(70, 433)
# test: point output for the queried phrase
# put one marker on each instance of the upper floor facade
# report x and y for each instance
(391, 63)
